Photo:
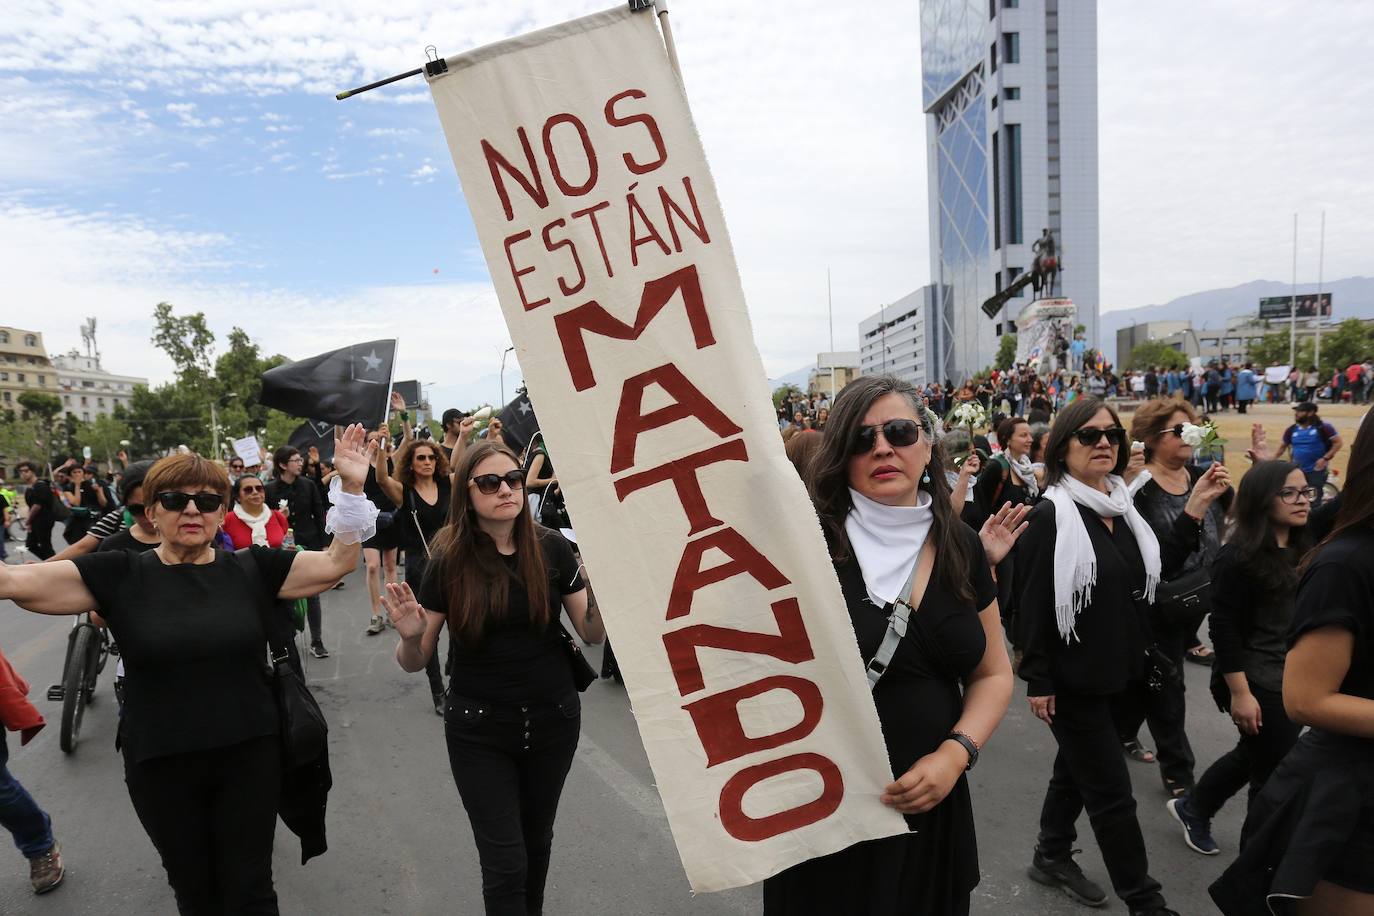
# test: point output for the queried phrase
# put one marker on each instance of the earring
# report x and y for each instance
(925, 477)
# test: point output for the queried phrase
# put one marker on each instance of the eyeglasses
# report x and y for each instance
(1176, 429)
(176, 501)
(424, 457)
(490, 483)
(1292, 495)
(1090, 436)
(252, 489)
(236, 467)
(898, 433)
(135, 509)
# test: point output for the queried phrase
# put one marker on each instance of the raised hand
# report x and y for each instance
(1001, 531)
(404, 610)
(398, 401)
(1259, 444)
(352, 456)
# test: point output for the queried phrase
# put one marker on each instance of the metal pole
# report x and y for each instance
(661, 7)
(882, 323)
(503, 377)
(1293, 303)
(214, 431)
(830, 311)
(1321, 260)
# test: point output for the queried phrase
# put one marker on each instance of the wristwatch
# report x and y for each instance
(968, 744)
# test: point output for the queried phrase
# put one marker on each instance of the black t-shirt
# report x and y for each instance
(1338, 590)
(193, 647)
(431, 516)
(514, 663)
(124, 540)
(39, 493)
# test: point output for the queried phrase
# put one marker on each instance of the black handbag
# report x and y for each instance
(1160, 671)
(584, 675)
(1186, 599)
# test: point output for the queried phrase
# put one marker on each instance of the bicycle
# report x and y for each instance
(88, 649)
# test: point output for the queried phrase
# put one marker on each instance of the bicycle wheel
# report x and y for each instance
(74, 681)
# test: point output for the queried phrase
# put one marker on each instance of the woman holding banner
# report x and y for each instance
(499, 581)
(879, 486)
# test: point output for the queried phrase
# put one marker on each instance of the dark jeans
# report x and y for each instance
(1252, 759)
(39, 542)
(1317, 479)
(509, 763)
(1166, 711)
(1090, 773)
(19, 813)
(313, 618)
(416, 561)
(212, 814)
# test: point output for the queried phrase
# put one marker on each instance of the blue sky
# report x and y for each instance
(194, 153)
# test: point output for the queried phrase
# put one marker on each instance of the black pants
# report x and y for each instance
(212, 814)
(1244, 404)
(416, 561)
(1166, 710)
(509, 763)
(1090, 773)
(39, 542)
(1252, 759)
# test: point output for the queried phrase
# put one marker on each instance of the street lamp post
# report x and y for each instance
(503, 377)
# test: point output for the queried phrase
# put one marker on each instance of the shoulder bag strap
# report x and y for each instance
(276, 646)
(901, 612)
(415, 517)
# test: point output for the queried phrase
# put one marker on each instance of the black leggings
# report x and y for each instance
(416, 561)
(1252, 759)
(212, 815)
(509, 763)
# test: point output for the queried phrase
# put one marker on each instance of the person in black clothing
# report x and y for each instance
(421, 490)
(1308, 840)
(40, 498)
(380, 550)
(202, 754)
(1186, 506)
(89, 499)
(880, 489)
(499, 582)
(1008, 477)
(1091, 565)
(304, 508)
(1254, 581)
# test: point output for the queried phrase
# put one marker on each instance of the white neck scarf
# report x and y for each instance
(1075, 563)
(1024, 471)
(257, 524)
(886, 541)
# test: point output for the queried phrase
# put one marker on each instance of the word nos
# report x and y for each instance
(715, 717)
(639, 226)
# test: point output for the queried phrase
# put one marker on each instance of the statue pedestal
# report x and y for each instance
(1039, 326)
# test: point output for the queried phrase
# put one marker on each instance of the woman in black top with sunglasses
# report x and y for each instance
(499, 582)
(199, 734)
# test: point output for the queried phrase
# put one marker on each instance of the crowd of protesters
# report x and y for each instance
(1094, 548)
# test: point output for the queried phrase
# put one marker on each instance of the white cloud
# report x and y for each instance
(424, 174)
(186, 115)
(394, 132)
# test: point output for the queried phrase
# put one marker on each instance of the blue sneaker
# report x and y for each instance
(1197, 830)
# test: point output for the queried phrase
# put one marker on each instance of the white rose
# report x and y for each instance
(1192, 435)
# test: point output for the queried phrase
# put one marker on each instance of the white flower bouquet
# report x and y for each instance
(970, 414)
(1201, 436)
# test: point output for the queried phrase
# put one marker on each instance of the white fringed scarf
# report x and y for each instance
(1075, 563)
(886, 541)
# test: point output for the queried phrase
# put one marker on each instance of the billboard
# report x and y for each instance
(1280, 308)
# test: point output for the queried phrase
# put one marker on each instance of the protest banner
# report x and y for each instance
(248, 450)
(607, 246)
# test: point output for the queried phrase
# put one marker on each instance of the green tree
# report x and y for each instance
(782, 393)
(1156, 353)
(1350, 343)
(105, 435)
(1006, 352)
(187, 341)
(1272, 350)
(43, 410)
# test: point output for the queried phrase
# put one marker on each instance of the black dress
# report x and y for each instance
(932, 870)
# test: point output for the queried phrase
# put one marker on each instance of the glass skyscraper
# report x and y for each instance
(1009, 89)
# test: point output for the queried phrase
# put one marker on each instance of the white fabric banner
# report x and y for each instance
(608, 249)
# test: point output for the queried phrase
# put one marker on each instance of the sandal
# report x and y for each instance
(1138, 752)
(1201, 655)
(1175, 789)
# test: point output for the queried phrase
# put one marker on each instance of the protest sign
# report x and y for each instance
(248, 450)
(607, 246)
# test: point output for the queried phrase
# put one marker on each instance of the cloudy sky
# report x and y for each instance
(194, 153)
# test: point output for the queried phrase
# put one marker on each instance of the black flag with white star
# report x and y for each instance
(316, 433)
(347, 385)
(518, 422)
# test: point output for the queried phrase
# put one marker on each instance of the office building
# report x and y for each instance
(88, 391)
(24, 366)
(1009, 89)
(832, 372)
(903, 339)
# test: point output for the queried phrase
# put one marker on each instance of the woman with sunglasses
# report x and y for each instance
(1253, 588)
(250, 521)
(1186, 508)
(1091, 565)
(499, 582)
(879, 486)
(202, 753)
(1308, 841)
(422, 489)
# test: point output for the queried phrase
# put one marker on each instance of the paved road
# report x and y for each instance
(400, 842)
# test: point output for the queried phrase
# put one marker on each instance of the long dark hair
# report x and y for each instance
(470, 566)
(1066, 423)
(829, 482)
(1252, 533)
(1357, 497)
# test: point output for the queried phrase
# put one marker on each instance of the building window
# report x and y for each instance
(992, 9)
(83, 401)
(43, 380)
(1011, 93)
(30, 340)
(32, 361)
(1010, 4)
(85, 416)
(993, 53)
(4, 337)
(996, 192)
(88, 384)
(99, 402)
(1013, 143)
(1012, 274)
(67, 400)
(1011, 48)
(20, 376)
(4, 376)
(1208, 341)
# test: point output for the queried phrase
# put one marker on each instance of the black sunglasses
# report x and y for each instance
(252, 489)
(490, 483)
(1176, 429)
(898, 433)
(1089, 436)
(176, 501)
(135, 509)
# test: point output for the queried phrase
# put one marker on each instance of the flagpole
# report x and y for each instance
(661, 7)
(391, 378)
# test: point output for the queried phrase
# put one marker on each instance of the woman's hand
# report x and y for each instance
(398, 401)
(404, 610)
(1134, 465)
(1043, 707)
(970, 466)
(928, 781)
(1216, 481)
(1000, 532)
(352, 456)
(1259, 444)
(1245, 712)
